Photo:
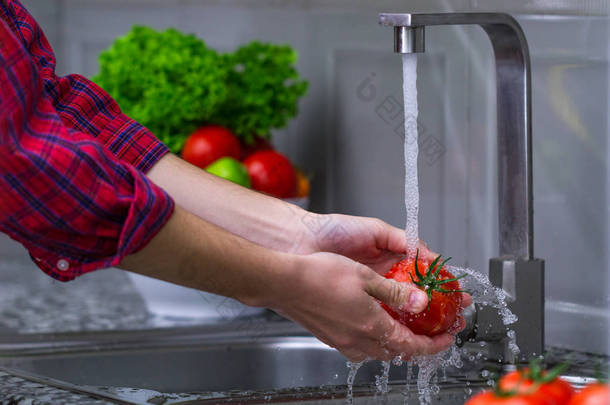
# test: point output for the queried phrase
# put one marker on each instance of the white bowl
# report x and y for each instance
(171, 301)
(302, 202)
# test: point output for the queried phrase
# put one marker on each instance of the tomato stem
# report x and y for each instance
(430, 282)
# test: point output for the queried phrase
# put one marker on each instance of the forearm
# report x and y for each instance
(265, 220)
(194, 253)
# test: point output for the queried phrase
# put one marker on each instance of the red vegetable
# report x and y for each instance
(537, 382)
(444, 295)
(530, 386)
(210, 143)
(256, 145)
(272, 173)
(593, 394)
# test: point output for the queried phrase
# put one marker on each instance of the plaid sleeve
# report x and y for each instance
(74, 205)
(81, 104)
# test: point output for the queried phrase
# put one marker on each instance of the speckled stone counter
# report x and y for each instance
(18, 391)
(32, 302)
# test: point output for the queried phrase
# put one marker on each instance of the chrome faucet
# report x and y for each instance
(516, 270)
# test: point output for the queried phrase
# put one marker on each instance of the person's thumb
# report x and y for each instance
(404, 297)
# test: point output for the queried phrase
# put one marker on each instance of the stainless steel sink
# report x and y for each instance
(238, 362)
(187, 360)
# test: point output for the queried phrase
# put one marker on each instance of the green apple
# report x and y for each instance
(230, 169)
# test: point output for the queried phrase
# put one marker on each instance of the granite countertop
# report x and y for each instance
(32, 302)
(19, 391)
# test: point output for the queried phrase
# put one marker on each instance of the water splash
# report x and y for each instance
(381, 381)
(409, 76)
(428, 366)
(486, 294)
(351, 376)
(408, 383)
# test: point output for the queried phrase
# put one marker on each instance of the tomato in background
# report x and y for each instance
(272, 173)
(444, 295)
(209, 144)
(593, 394)
(257, 145)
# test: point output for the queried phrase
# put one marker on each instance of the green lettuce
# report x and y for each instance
(263, 90)
(173, 83)
(168, 81)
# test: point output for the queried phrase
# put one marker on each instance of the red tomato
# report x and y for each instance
(557, 391)
(490, 398)
(592, 394)
(444, 296)
(209, 144)
(272, 173)
(258, 144)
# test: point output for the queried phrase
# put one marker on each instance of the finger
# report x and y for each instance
(396, 339)
(355, 356)
(424, 252)
(460, 325)
(410, 344)
(401, 296)
(378, 350)
(397, 240)
(466, 300)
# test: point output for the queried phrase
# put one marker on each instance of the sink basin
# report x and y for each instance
(240, 362)
(188, 360)
(204, 359)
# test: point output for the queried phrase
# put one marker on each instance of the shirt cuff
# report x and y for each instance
(132, 143)
(149, 212)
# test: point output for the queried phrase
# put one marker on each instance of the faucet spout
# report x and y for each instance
(409, 39)
(515, 270)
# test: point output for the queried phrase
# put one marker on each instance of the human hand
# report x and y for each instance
(336, 299)
(369, 241)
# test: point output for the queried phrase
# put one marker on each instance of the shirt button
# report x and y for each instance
(63, 265)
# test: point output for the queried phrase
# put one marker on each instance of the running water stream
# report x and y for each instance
(477, 284)
(409, 88)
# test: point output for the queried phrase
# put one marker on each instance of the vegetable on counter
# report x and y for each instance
(444, 295)
(538, 382)
(529, 386)
(168, 81)
(209, 144)
(272, 173)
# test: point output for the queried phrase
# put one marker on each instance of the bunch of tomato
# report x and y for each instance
(254, 165)
(536, 386)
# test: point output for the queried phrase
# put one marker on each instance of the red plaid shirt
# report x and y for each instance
(72, 183)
